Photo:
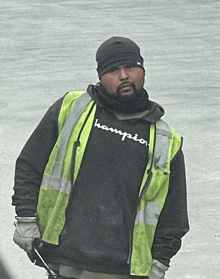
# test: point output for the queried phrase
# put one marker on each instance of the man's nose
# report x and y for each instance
(123, 74)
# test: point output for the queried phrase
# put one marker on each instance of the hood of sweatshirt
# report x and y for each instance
(142, 108)
(155, 113)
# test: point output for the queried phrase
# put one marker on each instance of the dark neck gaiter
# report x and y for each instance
(138, 103)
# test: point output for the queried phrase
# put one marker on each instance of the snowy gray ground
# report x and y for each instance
(48, 48)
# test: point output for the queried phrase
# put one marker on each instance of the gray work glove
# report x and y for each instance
(158, 270)
(26, 231)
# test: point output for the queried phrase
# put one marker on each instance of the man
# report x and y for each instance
(101, 181)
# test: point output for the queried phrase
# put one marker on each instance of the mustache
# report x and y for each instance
(124, 84)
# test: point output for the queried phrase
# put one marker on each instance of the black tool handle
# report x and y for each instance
(37, 246)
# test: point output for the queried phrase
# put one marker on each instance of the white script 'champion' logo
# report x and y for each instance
(123, 135)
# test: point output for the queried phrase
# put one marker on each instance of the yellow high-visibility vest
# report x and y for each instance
(74, 124)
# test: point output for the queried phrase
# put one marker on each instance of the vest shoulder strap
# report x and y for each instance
(76, 111)
(168, 142)
(163, 136)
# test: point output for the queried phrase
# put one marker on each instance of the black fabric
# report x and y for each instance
(32, 161)
(117, 51)
(138, 103)
(173, 222)
(30, 165)
(100, 213)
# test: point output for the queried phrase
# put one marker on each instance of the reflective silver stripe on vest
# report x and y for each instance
(150, 215)
(74, 115)
(162, 145)
(55, 180)
(56, 183)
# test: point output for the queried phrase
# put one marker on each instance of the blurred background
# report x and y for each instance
(48, 48)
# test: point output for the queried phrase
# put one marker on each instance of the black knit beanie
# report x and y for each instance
(117, 51)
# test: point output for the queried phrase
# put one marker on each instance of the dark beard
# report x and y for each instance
(128, 99)
(136, 103)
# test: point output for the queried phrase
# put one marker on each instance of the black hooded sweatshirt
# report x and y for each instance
(100, 214)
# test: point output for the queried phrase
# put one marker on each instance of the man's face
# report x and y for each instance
(124, 80)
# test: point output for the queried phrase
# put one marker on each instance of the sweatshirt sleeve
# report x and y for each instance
(32, 160)
(173, 222)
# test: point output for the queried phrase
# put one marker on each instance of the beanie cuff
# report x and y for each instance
(118, 60)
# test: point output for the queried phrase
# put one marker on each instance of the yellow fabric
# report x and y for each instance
(53, 202)
(143, 234)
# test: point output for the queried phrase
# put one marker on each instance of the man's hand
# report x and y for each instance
(26, 231)
(158, 270)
